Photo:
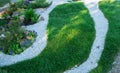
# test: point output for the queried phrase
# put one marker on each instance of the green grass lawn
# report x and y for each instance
(112, 44)
(70, 36)
(3, 2)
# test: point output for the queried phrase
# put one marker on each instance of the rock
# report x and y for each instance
(11, 52)
(1, 48)
(26, 2)
(1, 13)
(25, 43)
(2, 36)
(21, 18)
(75, 66)
(42, 19)
(15, 14)
(98, 47)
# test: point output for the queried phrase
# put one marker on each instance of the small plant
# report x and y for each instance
(14, 39)
(39, 4)
(3, 22)
(30, 16)
(42, 3)
(34, 18)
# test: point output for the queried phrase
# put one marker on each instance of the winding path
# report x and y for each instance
(101, 26)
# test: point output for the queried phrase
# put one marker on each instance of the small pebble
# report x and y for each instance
(98, 47)
(42, 19)
(75, 65)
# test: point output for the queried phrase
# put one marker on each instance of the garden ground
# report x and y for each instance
(70, 40)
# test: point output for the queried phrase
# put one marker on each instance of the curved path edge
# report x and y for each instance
(38, 45)
(101, 27)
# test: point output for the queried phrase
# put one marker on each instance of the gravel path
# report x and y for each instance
(40, 42)
(101, 26)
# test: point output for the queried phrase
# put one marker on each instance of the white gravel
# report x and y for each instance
(101, 26)
(40, 42)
